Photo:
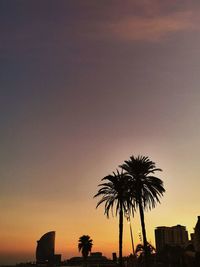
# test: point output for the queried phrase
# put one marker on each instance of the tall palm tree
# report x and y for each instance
(115, 194)
(85, 246)
(146, 188)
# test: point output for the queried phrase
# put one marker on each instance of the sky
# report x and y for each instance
(83, 86)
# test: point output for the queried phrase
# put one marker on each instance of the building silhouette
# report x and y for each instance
(195, 237)
(45, 251)
(95, 259)
(172, 236)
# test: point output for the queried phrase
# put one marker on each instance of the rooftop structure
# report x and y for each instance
(95, 259)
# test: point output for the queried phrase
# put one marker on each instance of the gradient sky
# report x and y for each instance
(84, 85)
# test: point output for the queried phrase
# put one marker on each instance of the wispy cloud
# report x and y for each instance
(153, 28)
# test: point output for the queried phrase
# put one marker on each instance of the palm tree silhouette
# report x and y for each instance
(145, 187)
(115, 194)
(85, 246)
(140, 253)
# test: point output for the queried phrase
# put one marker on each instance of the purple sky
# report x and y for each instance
(84, 85)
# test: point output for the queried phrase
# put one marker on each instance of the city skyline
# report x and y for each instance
(85, 85)
(176, 235)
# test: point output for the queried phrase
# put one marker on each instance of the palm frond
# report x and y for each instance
(145, 188)
(114, 191)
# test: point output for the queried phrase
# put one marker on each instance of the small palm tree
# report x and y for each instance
(115, 194)
(140, 253)
(145, 187)
(85, 246)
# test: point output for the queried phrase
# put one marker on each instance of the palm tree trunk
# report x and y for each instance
(143, 233)
(120, 235)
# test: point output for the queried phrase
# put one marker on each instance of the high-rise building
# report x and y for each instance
(45, 251)
(196, 235)
(173, 236)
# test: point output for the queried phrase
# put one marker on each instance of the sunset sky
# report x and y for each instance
(85, 85)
